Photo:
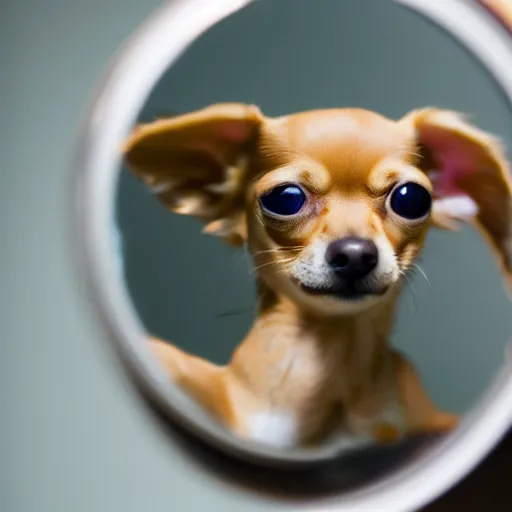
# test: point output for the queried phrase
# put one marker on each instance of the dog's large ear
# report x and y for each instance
(195, 164)
(470, 175)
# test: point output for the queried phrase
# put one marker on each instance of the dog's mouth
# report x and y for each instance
(350, 290)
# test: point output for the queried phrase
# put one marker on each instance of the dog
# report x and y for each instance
(334, 207)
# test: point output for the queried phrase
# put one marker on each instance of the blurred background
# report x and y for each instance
(74, 436)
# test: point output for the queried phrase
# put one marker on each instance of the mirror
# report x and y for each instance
(453, 319)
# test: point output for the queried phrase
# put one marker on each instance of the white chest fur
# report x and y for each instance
(279, 429)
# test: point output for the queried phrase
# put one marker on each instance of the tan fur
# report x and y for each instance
(502, 9)
(313, 364)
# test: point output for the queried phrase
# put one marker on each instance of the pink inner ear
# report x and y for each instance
(234, 131)
(453, 157)
(220, 139)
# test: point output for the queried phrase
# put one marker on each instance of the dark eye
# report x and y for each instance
(411, 201)
(284, 200)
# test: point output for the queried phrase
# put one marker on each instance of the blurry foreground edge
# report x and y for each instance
(501, 9)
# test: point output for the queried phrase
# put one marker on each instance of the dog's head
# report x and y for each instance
(334, 205)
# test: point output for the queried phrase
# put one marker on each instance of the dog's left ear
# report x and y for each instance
(195, 164)
(470, 175)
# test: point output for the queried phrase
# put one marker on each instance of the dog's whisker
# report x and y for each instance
(278, 250)
(422, 272)
(273, 262)
(409, 284)
(235, 312)
(406, 271)
(242, 257)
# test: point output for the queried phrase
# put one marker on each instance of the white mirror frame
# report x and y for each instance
(132, 75)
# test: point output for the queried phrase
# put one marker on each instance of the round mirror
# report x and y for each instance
(349, 152)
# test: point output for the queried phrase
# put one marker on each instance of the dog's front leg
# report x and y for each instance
(397, 406)
(421, 414)
(216, 388)
(205, 382)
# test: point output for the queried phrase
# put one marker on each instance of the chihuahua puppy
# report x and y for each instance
(334, 207)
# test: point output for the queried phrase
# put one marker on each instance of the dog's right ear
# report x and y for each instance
(195, 164)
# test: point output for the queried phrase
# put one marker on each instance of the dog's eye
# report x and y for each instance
(284, 200)
(411, 201)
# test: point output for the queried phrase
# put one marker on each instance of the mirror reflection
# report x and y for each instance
(362, 202)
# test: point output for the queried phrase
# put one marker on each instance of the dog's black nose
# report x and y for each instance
(352, 257)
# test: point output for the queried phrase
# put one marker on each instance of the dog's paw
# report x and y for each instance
(440, 423)
(386, 433)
